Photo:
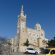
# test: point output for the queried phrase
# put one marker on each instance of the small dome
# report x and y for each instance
(38, 26)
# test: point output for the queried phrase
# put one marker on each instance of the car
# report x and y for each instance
(31, 51)
(49, 51)
(45, 51)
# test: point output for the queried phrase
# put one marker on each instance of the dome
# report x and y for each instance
(38, 26)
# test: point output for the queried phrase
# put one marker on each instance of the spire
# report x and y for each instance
(22, 12)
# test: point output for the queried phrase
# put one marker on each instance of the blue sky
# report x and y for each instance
(37, 11)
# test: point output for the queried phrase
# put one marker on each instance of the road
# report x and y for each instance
(25, 54)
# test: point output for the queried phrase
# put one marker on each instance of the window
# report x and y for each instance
(41, 34)
(30, 48)
(37, 35)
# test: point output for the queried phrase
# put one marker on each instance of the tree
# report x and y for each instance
(26, 43)
(51, 43)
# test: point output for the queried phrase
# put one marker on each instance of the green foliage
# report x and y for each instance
(51, 43)
(9, 43)
(26, 43)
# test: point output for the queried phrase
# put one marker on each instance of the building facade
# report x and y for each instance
(36, 36)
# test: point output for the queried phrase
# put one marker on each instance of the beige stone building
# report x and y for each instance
(36, 36)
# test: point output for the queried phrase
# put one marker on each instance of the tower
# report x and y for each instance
(21, 29)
